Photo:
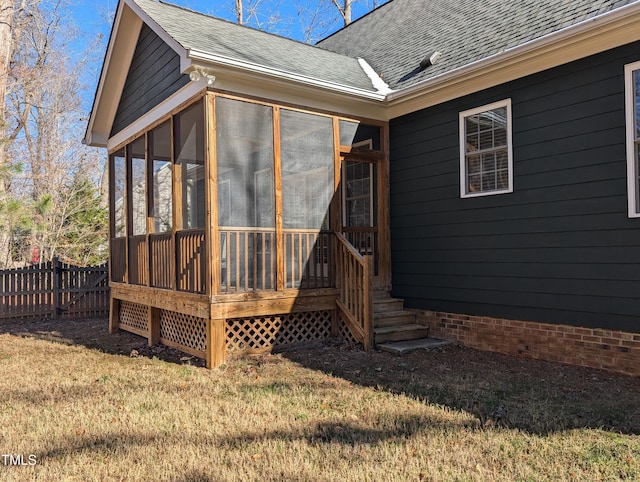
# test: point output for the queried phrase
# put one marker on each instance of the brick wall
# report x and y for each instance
(615, 351)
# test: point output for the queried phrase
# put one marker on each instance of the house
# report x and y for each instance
(458, 168)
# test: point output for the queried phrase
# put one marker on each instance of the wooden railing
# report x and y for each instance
(160, 260)
(247, 259)
(190, 261)
(119, 260)
(365, 241)
(354, 280)
(138, 260)
(308, 259)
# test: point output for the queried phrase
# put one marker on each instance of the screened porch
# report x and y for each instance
(229, 196)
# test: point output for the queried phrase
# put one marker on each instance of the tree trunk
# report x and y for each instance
(6, 25)
(347, 12)
(239, 12)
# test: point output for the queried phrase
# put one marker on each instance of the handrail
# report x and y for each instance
(354, 280)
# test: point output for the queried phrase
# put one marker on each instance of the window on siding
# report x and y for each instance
(632, 94)
(486, 162)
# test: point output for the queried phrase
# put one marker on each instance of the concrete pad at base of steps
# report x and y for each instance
(402, 347)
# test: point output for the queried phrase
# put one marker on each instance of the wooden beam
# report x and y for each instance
(286, 303)
(384, 220)
(154, 326)
(216, 343)
(178, 301)
(176, 192)
(277, 173)
(114, 315)
(212, 236)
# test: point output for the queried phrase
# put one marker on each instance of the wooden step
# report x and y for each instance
(387, 304)
(411, 331)
(393, 318)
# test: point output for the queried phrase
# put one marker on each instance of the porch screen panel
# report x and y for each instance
(160, 147)
(360, 137)
(138, 251)
(138, 188)
(307, 150)
(161, 208)
(190, 144)
(246, 199)
(118, 217)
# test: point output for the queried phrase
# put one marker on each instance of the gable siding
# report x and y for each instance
(154, 76)
(560, 248)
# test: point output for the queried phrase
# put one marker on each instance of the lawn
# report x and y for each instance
(74, 402)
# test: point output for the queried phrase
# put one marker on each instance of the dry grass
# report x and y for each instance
(324, 413)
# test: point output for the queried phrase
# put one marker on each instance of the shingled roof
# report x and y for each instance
(395, 37)
(193, 30)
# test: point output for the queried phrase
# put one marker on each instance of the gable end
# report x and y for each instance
(154, 75)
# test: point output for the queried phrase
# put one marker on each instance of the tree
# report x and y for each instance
(43, 131)
(6, 47)
(315, 18)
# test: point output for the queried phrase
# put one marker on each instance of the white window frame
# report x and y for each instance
(463, 150)
(632, 162)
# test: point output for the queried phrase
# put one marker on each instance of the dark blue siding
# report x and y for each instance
(154, 75)
(560, 248)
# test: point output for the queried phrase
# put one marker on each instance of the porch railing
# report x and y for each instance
(247, 259)
(160, 257)
(190, 259)
(365, 240)
(138, 260)
(354, 275)
(308, 259)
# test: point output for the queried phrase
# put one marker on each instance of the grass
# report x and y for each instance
(328, 412)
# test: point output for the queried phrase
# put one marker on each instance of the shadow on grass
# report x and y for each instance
(530, 395)
(93, 333)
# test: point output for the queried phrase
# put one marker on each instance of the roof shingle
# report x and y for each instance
(193, 30)
(395, 37)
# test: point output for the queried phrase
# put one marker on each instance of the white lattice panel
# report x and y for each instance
(186, 330)
(272, 331)
(134, 316)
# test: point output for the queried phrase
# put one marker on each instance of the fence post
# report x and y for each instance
(57, 287)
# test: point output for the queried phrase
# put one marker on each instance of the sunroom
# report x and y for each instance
(238, 225)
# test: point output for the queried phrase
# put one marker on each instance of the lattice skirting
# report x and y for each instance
(266, 332)
(134, 317)
(344, 332)
(186, 332)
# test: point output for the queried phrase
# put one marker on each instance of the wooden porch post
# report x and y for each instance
(211, 195)
(114, 315)
(154, 326)
(277, 174)
(216, 343)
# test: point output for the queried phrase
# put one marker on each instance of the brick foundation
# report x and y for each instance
(615, 351)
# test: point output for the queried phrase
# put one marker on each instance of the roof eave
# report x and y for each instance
(199, 57)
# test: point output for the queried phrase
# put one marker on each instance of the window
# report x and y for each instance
(486, 161)
(632, 95)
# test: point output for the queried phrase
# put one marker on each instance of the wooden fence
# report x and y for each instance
(54, 290)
